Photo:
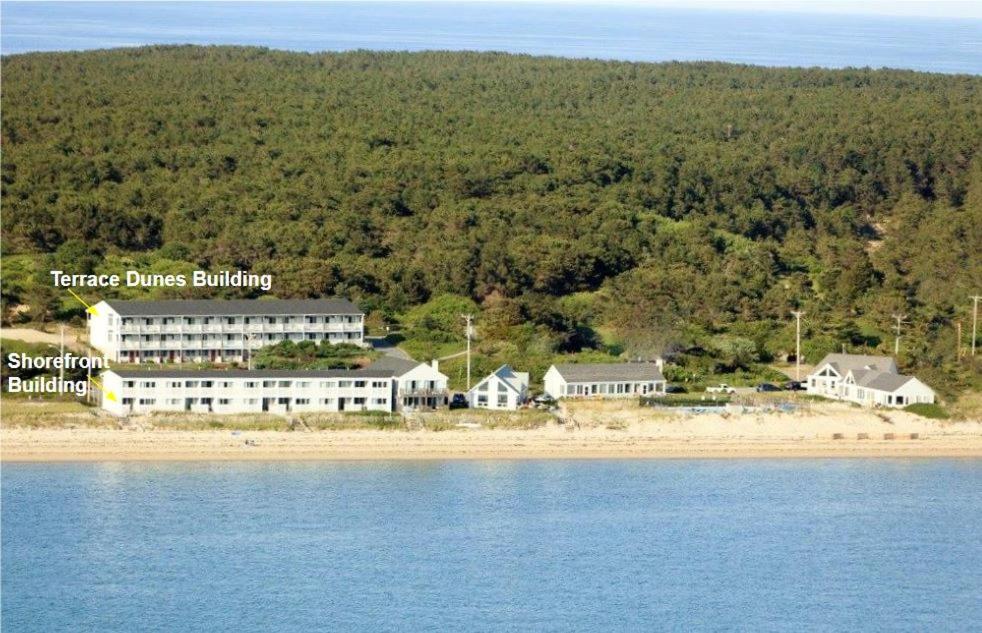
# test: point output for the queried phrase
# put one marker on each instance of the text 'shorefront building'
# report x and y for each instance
(217, 330)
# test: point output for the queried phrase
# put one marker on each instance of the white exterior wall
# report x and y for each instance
(104, 330)
(422, 386)
(495, 393)
(912, 392)
(826, 386)
(246, 395)
(614, 389)
(553, 384)
(223, 338)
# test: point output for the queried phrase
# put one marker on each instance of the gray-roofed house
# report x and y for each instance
(417, 385)
(504, 388)
(866, 380)
(217, 330)
(605, 380)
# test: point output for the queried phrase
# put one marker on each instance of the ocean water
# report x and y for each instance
(610, 31)
(763, 545)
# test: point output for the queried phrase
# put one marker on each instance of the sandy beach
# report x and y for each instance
(607, 430)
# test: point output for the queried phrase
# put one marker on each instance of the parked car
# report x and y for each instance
(675, 389)
(458, 401)
(543, 400)
(721, 388)
(766, 387)
(794, 385)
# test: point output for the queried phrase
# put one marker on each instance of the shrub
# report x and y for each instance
(926, 410)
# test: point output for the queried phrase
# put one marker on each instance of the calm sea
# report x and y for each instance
(796, 545)
(636, 33)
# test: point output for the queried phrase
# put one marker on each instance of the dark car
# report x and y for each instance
(458, 401)
(544, 400)
(675, 389)
(766, 387)
(794, 385)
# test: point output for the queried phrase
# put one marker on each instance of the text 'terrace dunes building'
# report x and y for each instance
(217, 330)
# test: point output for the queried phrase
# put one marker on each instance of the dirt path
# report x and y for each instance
(29, 335)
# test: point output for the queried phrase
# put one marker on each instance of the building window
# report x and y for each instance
(359, 384)
(378, 384)
(482, 400)
(223, 401)
(147, 401)
(302, 401)
(503, 400)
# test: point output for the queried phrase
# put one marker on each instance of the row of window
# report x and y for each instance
(482, 400)
(252, 401)
(238, 338)
(268, 320)
(252, 384)
(605, 388)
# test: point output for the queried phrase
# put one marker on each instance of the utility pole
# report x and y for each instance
(61, 370)
(797, 344)
(975, 318)
(468, 333)
(896, 342)
(958, 341)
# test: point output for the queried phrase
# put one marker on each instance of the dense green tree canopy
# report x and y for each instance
(675, 196)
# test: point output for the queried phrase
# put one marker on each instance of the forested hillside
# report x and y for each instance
(580, 204)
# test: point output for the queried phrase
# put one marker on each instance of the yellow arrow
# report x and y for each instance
(88, 308)
(109, 394)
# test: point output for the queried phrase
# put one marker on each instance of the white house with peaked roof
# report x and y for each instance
(866, 380)
(605, 380)
(504, 388)
(217, 330)
(418, 385)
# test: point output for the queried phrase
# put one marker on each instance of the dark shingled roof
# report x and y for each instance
(605, 372)
(394, 365)
(218, 374)
(233, 307)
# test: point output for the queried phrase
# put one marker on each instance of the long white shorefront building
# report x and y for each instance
(388, 385)
(221, 331)
(245, 391)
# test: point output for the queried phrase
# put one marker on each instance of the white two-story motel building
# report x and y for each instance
(217, 330)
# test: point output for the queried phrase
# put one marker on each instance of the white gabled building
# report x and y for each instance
(417, 385)
(247, 391)
(605, 380)
(217, 330)
(504, 388)
(866, 380)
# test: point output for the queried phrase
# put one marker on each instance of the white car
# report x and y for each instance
(721, 388)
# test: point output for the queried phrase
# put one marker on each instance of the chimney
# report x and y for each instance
(435, 364)
(660, 363)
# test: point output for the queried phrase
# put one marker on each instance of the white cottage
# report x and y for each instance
(418, 385)
(605, 380)
(504, 388)
(866, 380)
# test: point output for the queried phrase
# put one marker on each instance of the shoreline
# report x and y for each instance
(93, 445)
(594, 430)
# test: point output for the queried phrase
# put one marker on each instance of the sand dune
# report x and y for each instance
(604, 431)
